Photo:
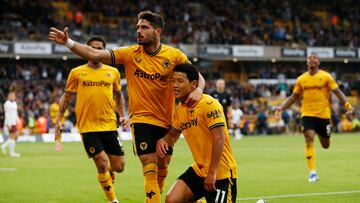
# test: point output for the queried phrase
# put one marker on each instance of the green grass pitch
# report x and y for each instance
(272, 167)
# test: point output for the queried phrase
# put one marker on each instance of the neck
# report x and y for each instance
(94, 66)
(313, 71)
(152, 47)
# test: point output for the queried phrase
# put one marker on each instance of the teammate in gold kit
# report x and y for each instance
(214, 171)
(314, 87)
(148, 68)
(97, 88)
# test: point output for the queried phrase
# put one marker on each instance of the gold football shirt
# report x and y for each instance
(95, 106)
(196, 124)
(151, 98)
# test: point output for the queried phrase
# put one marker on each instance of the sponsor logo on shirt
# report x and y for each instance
(154, 76)
(89, 83)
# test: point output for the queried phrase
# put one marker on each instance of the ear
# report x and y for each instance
(194, 84)
(159, 30)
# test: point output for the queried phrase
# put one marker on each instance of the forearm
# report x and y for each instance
(216, 153)
(171, 137)
(201, 82)
(63, 105)
(120, 103)
(289, 101)
(340, 95)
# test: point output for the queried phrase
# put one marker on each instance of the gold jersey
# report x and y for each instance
(315, 91)
(95, 106)
(196, 124)
(151, 98)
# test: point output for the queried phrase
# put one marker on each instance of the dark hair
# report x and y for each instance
(191, 71)
(155, 19)
(96, 38)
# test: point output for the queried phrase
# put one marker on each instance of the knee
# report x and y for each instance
(170, 199)
(119, 167)
(102, 166)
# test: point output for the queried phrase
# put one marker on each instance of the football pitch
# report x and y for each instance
(270, 167)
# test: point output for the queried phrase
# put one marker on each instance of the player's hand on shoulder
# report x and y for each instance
(162, 147)
(194, 97)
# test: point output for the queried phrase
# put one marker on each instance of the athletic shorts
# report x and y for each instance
(321, 126)
(225, 188)
(145, 137)
(108, 141)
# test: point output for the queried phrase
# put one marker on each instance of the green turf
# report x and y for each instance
(268, 166)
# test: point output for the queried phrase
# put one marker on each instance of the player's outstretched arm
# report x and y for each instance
(83, 50)
(342, 98)
(63, 105)
(288, 102)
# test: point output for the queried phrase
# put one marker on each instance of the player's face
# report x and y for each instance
(146, 33)
(12, 96)
(96, 45)
(313, 62)
(181, 85)
(220, 85)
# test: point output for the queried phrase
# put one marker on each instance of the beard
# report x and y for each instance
(148, 41)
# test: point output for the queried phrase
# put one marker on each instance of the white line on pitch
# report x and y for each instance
(8, 169)
(298, 195)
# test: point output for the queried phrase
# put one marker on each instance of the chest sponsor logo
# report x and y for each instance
(154, 76)
(189, 124)
(101, 83)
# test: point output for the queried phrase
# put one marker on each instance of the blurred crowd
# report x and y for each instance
(40, 84)
(260, 22)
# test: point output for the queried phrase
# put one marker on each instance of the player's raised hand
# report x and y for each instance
(162, 148)
(278, 112)
(57, 36)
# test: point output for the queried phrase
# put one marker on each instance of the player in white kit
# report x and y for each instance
(11, 118)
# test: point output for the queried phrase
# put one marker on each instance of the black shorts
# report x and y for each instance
(321, 126)
(222, 193)
(109, 141)
(145, 137)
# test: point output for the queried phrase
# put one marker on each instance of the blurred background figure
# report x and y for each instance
(222, 96)
(11, 118)
(234, 124)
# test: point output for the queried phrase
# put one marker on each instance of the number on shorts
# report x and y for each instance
(219, 193)
(328, 129)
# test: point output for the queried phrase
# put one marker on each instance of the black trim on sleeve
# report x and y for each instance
(112, 57)
(216, 125)
(175, 130)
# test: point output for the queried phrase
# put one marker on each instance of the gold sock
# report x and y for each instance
(152, 190)
(107, 185)
(310, 156)
(161, 177)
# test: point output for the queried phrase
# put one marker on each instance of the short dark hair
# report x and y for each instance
(96, 38)
(190, 70)
(155, 19)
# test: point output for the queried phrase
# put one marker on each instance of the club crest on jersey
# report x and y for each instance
(138, 60)
(166, 63)
(191, 112)
(209, 102)
(92, 150)
(108, 75)
(143, 146)
(83, 74)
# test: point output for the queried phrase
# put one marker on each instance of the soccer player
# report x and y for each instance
(97, 89)
(222, 96)
(11, 118)
(214, 171)
(148, 69)
(314, 87)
